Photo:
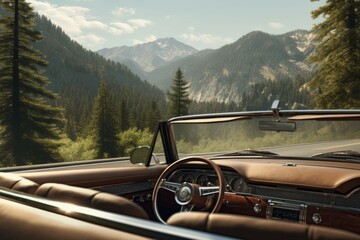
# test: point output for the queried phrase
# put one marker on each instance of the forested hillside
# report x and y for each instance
(226, 73)
(75, 72)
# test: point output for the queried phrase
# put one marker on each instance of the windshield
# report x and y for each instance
(310, 138)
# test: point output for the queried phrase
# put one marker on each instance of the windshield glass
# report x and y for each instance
(309, 138)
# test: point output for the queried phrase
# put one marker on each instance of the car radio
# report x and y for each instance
(286, 211)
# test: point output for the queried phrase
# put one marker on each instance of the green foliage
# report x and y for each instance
(82, 149)
(153, 116)
(104, 124)
(337, 55)
(30, 124)
(179, 95)
(133, 137)
(290, 91)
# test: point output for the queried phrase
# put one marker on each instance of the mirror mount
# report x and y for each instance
(276, 109)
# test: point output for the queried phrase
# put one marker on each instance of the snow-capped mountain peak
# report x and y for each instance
(151, 55)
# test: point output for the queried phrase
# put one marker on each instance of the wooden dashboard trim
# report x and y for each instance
(331, 216)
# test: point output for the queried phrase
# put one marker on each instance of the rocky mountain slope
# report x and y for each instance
(226, 73)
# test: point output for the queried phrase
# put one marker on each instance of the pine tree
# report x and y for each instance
(337, 55)
(179, 95)
(153, 116)
(124, 116)
(29, 123)
(104, 124)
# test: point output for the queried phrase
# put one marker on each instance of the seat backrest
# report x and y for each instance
(249, 228)
(19, 221)
(18, 183)
(91, 198)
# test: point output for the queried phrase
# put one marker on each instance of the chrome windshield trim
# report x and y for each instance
(269, 113)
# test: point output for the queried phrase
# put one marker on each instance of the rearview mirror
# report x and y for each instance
(139, 155)
(277, 126)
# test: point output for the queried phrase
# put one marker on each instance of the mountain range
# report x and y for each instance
(222, 74)
(146, 57)
(226, 73)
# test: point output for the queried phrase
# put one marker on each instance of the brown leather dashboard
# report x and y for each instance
(340, 178)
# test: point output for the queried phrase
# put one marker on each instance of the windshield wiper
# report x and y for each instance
(348, 155)
(250, 152)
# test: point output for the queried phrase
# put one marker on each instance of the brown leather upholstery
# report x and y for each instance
(18, 221)
(17, 183)
(91, 198)
(255, 228)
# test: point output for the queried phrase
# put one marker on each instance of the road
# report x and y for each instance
(311, 149)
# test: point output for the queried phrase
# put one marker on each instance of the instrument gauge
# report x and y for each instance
(237, 184)
(176, 178)
(188, 178)
(202, 180)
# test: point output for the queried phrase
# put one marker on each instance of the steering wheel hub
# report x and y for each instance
(184, 194)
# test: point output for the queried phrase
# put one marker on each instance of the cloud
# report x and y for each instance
(119, 28)
(90, 40)
(191, 28)
(150, 38)
(139, 23)
(77, 22)
(205, 38)
(276, 25)
(72, 19)
(123, 11)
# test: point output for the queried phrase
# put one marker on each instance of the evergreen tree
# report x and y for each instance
(104, 124)
(30, 125)
(153, 116)
(337, 55)
(179, 95)
(124, 116)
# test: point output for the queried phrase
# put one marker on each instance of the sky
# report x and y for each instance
(202, 24)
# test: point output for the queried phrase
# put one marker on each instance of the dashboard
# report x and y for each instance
(278, 201)
(234, 183)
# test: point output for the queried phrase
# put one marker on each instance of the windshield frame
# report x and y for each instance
(293, 115)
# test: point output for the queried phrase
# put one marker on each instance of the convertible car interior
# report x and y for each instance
(276, 174)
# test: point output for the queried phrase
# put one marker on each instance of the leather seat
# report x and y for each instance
(18, 183)
(249, 228)
(91, 198)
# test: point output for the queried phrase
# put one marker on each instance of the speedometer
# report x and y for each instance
(202, 180)
(237, 184)
(188, 178)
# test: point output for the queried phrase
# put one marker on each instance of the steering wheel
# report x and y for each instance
(190, 195)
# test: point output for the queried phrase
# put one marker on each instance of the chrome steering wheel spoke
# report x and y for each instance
(170, 186)
(205, 191)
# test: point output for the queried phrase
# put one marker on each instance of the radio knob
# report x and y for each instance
(316, 218)
(257, 208)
